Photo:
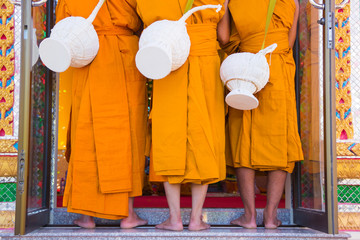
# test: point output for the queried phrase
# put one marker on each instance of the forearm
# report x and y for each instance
(293, 30)
(223, 28)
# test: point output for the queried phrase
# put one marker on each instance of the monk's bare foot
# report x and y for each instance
(273, 225)
(173, 225)
(271, 221)
(198, 225)
(132, 221)
(245, 222)
(85, 222)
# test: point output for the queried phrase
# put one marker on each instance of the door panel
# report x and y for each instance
(311, 114)
(314, 199)
(32, 205)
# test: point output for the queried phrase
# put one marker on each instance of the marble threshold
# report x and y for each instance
(150, 233)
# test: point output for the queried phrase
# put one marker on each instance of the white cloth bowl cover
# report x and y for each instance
(164, 46)
(245, 74)
(73, 42)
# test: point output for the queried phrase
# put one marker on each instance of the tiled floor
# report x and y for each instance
(221, 233)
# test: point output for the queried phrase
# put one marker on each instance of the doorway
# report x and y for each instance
(309, 192)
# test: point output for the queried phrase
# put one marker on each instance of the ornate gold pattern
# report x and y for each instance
(349, 220)
(7, 35)
(7, 219)
(348, 168)
(8, 166)
(6, 103)
(344, 119)
(348, 149)
(6, 9)
(7, 68)
(7, 146)
(6, 123)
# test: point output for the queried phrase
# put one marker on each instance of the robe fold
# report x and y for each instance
(266, 138)
(188, 126)
(108, 118)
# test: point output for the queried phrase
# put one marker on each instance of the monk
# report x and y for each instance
(188, 127)
(108, 119)
(265, 138)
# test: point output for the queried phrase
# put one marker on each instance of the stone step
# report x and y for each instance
(144, 233)
(213, 216)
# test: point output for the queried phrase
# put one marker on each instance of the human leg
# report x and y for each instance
(174, 221)
(275, 189)
(246, 181)
(133, 220)
(198, 193)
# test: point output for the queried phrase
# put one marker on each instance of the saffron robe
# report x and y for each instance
(188, 126)
(108, 120)
(266, 138)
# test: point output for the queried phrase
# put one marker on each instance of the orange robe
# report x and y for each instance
(108, 119)
(188, 127)
(266, 138)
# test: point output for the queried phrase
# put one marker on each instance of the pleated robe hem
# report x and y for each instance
(197, 181)
(96, 214)
(289, 168)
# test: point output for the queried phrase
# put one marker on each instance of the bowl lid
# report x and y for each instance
(153, 62)
(55, 55)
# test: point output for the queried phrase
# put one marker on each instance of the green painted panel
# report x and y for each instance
(7, 192)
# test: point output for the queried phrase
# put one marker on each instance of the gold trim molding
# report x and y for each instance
(348, 168)
(347, 149)
(349, 220)
(8, 166)
(8, 145)
(7, 219)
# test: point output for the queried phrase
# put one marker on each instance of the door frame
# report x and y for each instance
(27, 221)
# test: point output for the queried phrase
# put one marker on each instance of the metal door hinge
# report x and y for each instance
(331, 30)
